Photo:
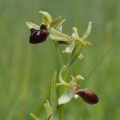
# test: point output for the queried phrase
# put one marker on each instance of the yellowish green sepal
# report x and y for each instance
(58, 36)
(32, 25)
(87, 31)
(69, 48)
(47, 19)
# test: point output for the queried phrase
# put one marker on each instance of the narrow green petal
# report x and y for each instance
(66, 97)
(32, 25)
(88, 31)
(80, 40)
(75, 33)
(58, 36)
(76, 79)
(54, 22)
(69, 48)
(59, 27)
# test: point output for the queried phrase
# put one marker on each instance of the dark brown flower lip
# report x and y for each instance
(88, 96)
(38, 36)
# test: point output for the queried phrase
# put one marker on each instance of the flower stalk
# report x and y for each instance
(70, 89)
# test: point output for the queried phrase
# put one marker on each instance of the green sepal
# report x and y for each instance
(79, 40)
(69, 48)
(32, 25)
(58, 36)
(54, 22)
(47, 19)
(66, 96)
(76, 79)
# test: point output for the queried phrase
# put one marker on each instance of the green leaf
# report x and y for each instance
(53, 97)
(58, 36)
(66, 97)
(32, 25)
(62, 72)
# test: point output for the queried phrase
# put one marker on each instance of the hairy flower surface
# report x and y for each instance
(87, 95)
(38, 36)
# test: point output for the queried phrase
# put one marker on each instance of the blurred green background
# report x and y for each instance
(26, 70)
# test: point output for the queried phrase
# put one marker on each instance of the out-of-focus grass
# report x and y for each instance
(26, 70)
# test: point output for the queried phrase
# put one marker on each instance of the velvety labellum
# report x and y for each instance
(38, 36)
(88, 96)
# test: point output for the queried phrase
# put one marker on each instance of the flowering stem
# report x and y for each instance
(61, 112)
(58, 54)
(62, 107)
(74, 56)
(72, 59)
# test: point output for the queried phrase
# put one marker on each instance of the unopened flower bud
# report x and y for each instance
(87, 95)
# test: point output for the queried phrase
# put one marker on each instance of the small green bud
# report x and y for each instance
(80, 56)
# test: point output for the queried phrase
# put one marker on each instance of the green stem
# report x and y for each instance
(62, 107)
(74, 56)
(61, 111)
(58, 54)
(72, 59)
